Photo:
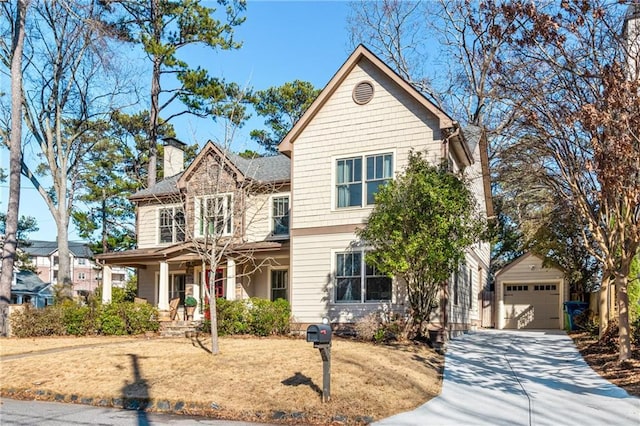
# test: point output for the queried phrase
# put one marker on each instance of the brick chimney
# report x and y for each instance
(173, 156)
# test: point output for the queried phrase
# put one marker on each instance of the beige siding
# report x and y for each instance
(148, 225)
(147, 279)
(258, 217)
(391, 122)
(313, 269)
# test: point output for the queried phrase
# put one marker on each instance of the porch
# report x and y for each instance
(176, 272)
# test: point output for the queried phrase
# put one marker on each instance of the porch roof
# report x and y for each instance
(182, 251)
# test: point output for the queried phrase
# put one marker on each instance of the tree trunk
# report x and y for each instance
(64, 263)
(624, 331)
(154, 110)
(15, 164)
(215, 349)
(603, 304)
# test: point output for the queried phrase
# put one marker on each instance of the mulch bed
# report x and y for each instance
(603, 358)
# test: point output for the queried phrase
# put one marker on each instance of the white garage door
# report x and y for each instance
(531, 305)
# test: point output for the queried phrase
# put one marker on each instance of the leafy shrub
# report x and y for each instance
(127, 318)
(255, 316)
(32, 322)
(111, 320)
(140, 317)
(234, 317)
(269, 317)
(77, 320)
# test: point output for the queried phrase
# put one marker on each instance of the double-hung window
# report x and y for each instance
(357, 282)
(215, 215)
(349, 182)
(280, 216)
(171, 225)
(279, 279)
(379, 172)
(351, 190)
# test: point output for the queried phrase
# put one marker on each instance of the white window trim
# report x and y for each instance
(167, 206)
(196, 223)
(288, 288)
(271, 198)
(363, 276)
(363, 155)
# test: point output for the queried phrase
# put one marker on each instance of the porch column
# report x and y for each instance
(230, 292)
(163, 288)
(106, 284)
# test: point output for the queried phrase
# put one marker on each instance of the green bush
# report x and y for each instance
(127, 318)
(255, 316)
(111, 320)
(32, 322)
(71, 318)
(234, 317)
(77, 320)
(140, 317)
(268, 317)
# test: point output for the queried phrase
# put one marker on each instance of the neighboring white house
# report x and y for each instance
(529, 295)
(295, 214)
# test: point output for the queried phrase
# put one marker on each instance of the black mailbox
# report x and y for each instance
(319, 334)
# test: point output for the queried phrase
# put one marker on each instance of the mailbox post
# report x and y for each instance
(320, 336)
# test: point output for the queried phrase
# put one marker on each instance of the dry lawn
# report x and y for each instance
(250, 379)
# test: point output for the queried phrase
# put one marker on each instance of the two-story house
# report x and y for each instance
(290, 220)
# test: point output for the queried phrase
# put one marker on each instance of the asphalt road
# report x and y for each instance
(23, 413)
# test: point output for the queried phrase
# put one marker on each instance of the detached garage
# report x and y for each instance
(529, 296)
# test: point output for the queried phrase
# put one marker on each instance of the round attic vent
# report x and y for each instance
(363, 92)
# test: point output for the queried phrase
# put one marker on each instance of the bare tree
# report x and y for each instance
(14, 53)
(66, 92)
(578, 102)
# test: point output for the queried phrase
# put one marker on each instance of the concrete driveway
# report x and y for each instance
(521, 378)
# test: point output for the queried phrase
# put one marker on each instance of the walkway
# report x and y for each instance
(521, 378)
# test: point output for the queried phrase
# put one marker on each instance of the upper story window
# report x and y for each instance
(82, 261)
(215, 215)
(56, 260)
(171, 225)
(357, 282)
(351, 191)
(280, 216)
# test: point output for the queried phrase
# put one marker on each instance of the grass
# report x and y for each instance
(251, 379)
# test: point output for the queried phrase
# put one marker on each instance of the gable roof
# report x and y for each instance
(47, 248)
(359, 54)
(29, 282)
(521, 259)
(271, 169)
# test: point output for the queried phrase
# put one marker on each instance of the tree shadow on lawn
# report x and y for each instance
(299, 379)
(195, 341)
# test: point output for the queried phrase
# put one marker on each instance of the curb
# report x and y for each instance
(211, 410)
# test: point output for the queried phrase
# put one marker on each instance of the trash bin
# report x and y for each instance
(573, 309)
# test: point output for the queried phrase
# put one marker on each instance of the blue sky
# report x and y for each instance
(282, 41)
